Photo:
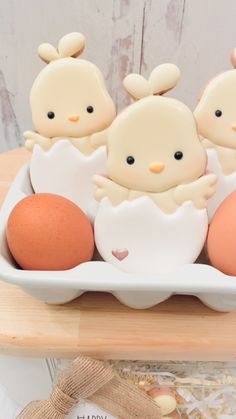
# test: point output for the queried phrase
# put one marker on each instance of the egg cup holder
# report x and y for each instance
(211, 286)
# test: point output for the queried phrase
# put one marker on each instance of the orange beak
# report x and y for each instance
(234, 127)
(73, 118)
(156, 167)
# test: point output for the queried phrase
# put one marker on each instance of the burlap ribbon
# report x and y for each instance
(91, 380)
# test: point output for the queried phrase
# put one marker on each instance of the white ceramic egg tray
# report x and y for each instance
(212, 287)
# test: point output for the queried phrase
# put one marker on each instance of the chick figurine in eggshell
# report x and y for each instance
(152, 216)
(216, 122)
(71, 110)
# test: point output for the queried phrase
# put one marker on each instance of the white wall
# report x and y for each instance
(122, 36)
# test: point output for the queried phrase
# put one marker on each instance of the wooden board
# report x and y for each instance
(96, 324)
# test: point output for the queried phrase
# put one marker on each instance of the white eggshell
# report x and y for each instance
(138, 237)
(226, 184)
(65, 171)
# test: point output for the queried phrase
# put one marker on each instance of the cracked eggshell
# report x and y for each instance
(226, 184)
(65, 171)
(137, 237)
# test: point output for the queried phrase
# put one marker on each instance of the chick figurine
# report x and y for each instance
(152, 216)
(216, 122)
(71, 110)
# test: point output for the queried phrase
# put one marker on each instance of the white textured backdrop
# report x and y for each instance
(122, 36)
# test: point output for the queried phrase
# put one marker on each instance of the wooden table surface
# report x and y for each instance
(96, 324)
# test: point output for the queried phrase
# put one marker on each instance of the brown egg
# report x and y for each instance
(221, 241)
(49, 232)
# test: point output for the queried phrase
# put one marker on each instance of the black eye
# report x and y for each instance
(90, 109)
(51, 115)
(178, 155)
(130, 160)
(218, 113)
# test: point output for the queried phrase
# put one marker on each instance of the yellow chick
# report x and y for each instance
(69, 99)
(216, 118)
(154, 149)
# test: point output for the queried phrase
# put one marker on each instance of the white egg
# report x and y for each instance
(226, 184)
(65, 171)
(138, 237)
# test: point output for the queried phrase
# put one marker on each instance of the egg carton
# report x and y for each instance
(139, 291)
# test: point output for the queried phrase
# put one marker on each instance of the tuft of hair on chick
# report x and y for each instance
(162, 79)
(70, 45)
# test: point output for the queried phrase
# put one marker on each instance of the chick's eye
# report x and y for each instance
(90, 109)
(218, 113)
(51, 115)
(130, 160)
(178, 155)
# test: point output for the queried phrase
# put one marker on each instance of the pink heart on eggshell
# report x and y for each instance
(120, 254)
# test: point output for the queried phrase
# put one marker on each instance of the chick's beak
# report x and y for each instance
(234, 127)
(73, 118)
(156, 167)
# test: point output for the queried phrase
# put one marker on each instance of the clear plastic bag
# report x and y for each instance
(202, 390)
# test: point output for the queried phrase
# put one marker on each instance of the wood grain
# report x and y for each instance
(122, 36)
(96, 324)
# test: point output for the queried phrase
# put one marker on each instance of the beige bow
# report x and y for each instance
(92, 380)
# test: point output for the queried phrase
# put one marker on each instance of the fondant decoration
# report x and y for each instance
(120, 254)
(153, 202)
(216, 122)
(49, 232)
(69, 101)
(165, 399)
(221, 242)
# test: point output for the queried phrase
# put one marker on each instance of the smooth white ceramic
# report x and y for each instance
(212, 287)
